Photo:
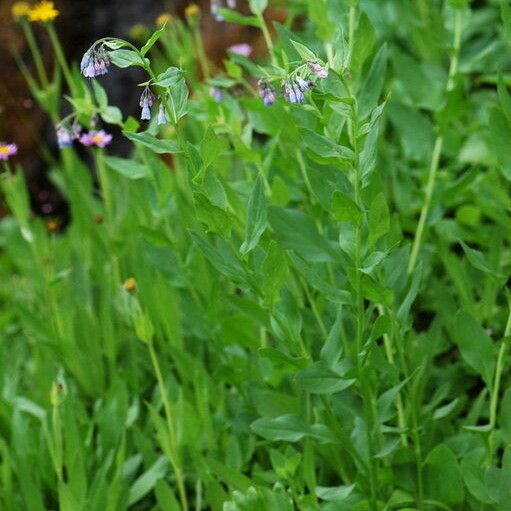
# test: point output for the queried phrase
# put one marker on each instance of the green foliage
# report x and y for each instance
(295, 307)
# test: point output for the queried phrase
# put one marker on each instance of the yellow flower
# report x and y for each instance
(130, 285)
(43, 11)
(162, 18)
(192, 10)
(20, 9)
(138, 30)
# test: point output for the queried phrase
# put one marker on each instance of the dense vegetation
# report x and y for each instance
(292, 295)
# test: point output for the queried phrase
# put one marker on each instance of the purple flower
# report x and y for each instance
(217, 93)
(318, 70)
(231, 4)
(302, 84)
(214, 6)
(266, 92)
(243, 49)
(146, 102)
(94, 63)
(7, 150)
(64, 136)
(162, 115)
(293, 93)
(96, 138)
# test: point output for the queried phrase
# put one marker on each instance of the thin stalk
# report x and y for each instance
(389, 351)
(437, 150)
(61, 59)
(267, 37)
(201, 54)
(174, 458)
(36, 54)
(494, 400)
(351, 32)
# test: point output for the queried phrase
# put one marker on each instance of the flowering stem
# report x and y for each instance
(36, 54)
(437, 150)
(60, 57)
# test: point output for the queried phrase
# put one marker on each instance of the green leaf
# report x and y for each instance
(155, 144)
(223, 261)
(275, 272)
(178, 101)
(321, 378)
(147, 481)
(475, 345)
(477, 260)
(165, 497)
(214, 217)
(324, 147)
(364, 41)
(444, 482)
(258, 6)
(100, 94)
(297, 231)
(228, 476)
(152, 40)
(345, 209)
(129, 168)
(378, 218)
(125, 58)
(111, 114)
(257, 217)
(170, 77)
(235, 17)
(287, 428)
(505, 14)
(500, 134)
(303, 51)
(373, 84)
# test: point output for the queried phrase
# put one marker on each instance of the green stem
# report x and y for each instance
(267, 37)
(36, 54)
(494, 400)
(61, 59)
(437, 150)
(173, 458)
(201, 54)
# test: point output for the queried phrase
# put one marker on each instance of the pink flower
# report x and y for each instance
(243, 49)
(7, 150)
(98, 138)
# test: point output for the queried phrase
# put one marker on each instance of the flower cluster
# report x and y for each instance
(67, 134)
(217, 4)
(7, 150)
(266, 92)
(43, 11)
(95, 62)
(295, 86)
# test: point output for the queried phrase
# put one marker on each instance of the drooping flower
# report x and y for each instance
(214, 6)
(95, 63)
(266, 92)
(64, 136)
(146, 102)
(302, 84)
(293, 93)
(96, 138)
(43, 11)
(217, 93)
(318, 69)
(20, 9)
(243, 49)
(7, 150)
(162, 115)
